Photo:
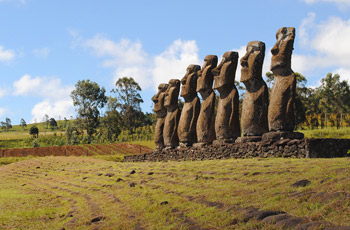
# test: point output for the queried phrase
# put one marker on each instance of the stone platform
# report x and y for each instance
(296, 148)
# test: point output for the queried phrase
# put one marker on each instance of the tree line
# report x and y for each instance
(122, 113)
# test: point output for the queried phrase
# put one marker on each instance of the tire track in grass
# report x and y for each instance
(95, 211)
(62, 185)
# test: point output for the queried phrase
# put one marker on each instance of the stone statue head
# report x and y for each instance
(158, 99)
(205, 76)
(189, 82)
(252, 61)
(225, 72)
(282, 51)
(172, 93)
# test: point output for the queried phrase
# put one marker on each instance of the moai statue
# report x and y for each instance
(161, 112)
(171, 139)
(190, 111)
(256, 99)
(281, 108)
(227, 127)
(206, 119)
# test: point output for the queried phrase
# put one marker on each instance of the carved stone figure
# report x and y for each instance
(171, 139)
(281, 108)
(256, 99)
(206, 119)
(190, 111)
(227, 127)
(161, 112)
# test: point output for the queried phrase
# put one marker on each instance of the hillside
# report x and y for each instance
(87, 193)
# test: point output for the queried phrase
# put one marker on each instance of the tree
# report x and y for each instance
(88, 97)
(34, 131)
(53, 123)
(46, 120)
(334, 97)
(128, 102)
(23, 123)
(8, 124)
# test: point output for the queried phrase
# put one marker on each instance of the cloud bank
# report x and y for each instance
(55, 97)
(127, 58)
(328, 43)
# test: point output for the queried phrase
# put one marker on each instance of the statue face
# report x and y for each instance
(205, 76)
(158, 99)
(282, 51)
(252, 61)
(189, 81)
(225, 72)
(172, 93)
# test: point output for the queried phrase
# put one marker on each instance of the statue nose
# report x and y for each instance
(275, 49)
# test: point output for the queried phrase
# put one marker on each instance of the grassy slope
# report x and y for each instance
(56, 192)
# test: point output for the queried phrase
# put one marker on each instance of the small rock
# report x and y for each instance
(291, 223)
(314, 225)
(276, 218)
(133, 172)
(132, 184)
(301, 183)
(164, 203)
(109, 174)
(96, 219)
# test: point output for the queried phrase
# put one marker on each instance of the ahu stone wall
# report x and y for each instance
(296, 148)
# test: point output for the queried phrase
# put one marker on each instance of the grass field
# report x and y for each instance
(88, 193)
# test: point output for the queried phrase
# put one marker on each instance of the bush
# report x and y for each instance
(35, 144)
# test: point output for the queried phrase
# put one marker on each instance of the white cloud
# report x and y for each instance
(344, 73)
(340, 3)
(6, 55)
(173, 62)
(56, 97)
(327, 42)
(63, 108)
(3, 111)
(42, 52)
(3, 92)
(129, 59)
(126, 57)
(41, 87)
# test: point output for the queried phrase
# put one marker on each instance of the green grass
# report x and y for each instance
(56, 192)
(331, 132)
(149, 144)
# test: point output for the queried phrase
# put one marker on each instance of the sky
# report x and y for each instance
(46, 47)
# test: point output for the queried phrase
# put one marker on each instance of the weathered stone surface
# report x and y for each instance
(206, 120)
(227, 125)
(190, 111)
(248, 139)
(172, 118)
(281, 108)
(292, 148)
(161, 112)
(255, 104)
(282, 135)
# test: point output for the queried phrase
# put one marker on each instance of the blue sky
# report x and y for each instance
(47, 46)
